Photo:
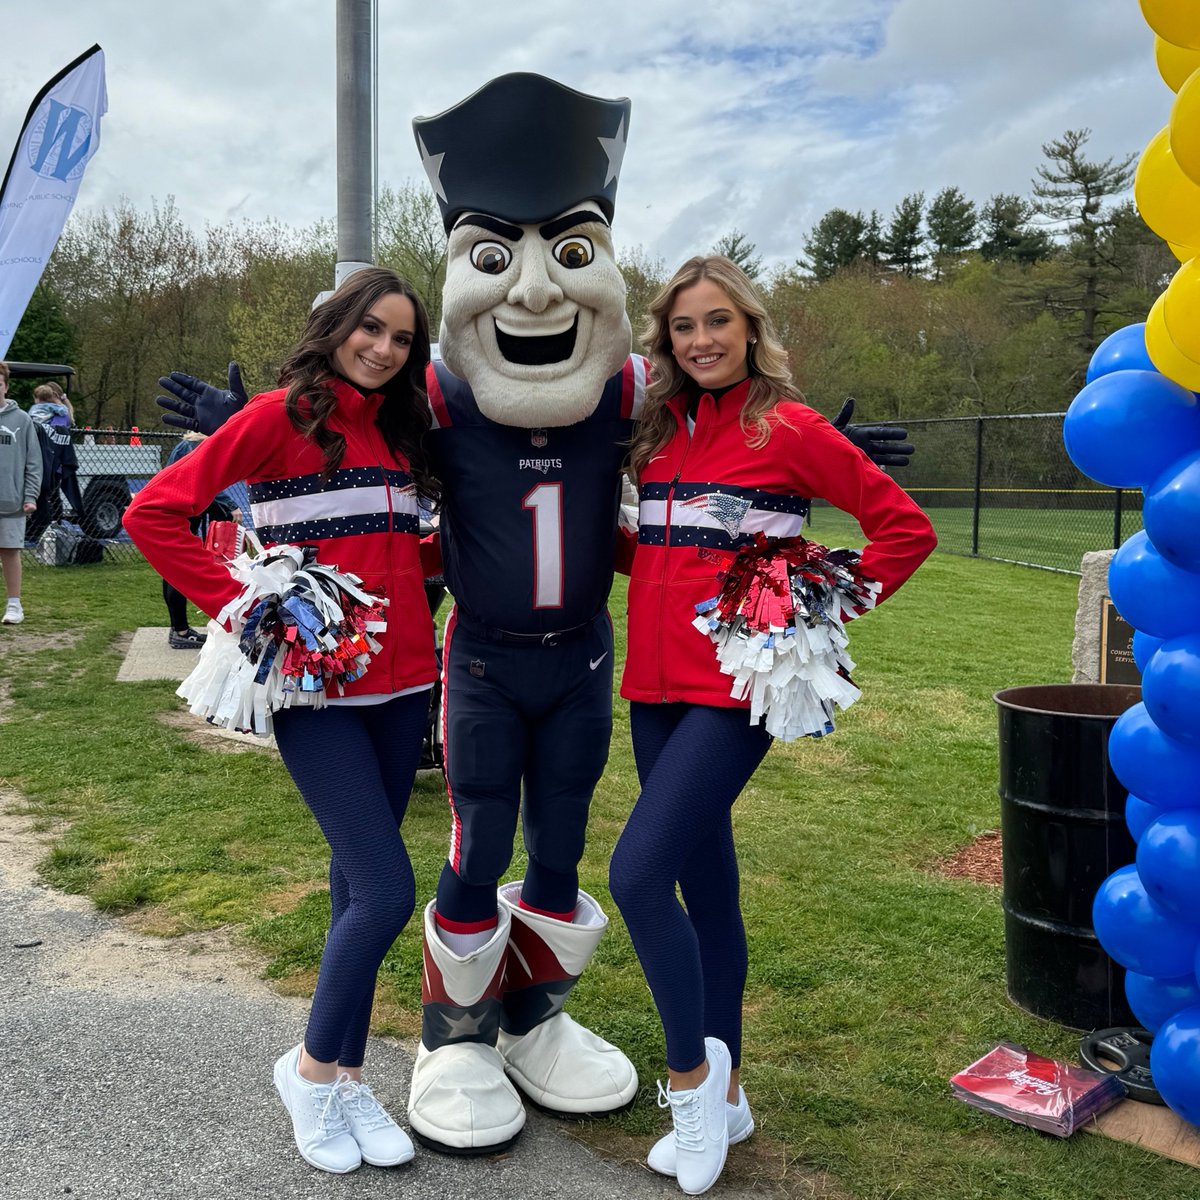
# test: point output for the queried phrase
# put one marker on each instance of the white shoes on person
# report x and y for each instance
(319, 1124)
(738, 1118)
(380, 1140)
(701, 1131)
(338, 1126)
(14, 614)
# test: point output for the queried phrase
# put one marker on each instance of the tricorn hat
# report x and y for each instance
(524, 148)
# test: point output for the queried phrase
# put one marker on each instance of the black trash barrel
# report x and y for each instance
(1062, 825)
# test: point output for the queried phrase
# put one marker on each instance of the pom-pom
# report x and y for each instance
(299, 628)
(778, 621)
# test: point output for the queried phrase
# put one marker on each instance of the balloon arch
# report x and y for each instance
(1137, 424)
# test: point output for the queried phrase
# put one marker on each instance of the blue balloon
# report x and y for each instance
(1139, 814)
(1168, 862)
(1171, 688)
(1124, 350)
(1160, 771)
(1155, 1000)
(1171, 513)
(1138, 935)
(1175, 1063)
(1149, 592)
(1144, 646)
(1125, 428)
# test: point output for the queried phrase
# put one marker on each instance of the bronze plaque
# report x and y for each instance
(1116, 647)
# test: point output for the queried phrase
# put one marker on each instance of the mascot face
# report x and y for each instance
(533, 316)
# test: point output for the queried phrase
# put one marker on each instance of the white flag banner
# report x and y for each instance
(58, 139)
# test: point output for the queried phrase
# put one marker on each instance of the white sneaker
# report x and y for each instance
(14, 614)
(737, 1116)
(701, 1129)
(382, 1142)
(322, 1134)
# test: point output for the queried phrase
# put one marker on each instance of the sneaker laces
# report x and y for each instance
(686, 1116)
(331, 1121)
(362, 1104)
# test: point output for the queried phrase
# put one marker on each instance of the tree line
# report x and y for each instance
(945, 308)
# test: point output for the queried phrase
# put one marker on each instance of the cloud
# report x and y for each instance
(759, 117)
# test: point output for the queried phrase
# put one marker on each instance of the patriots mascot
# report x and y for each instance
(532, 402)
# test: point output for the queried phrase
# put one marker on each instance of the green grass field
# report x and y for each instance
(872, 979)
(1053, 538)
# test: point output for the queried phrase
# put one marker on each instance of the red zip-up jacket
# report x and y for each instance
(363, 519)
(702, 497)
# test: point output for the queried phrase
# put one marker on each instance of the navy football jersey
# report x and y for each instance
(529, 516)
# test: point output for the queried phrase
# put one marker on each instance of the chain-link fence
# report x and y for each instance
(99, 471)
(995, 487)
(1003, 488)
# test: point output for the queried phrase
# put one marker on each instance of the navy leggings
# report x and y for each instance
(692, 762)
(354, 766)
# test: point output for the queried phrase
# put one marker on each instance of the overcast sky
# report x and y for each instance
(757, 115)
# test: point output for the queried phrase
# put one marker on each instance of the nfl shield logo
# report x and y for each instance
(477, 667)
(538, 437)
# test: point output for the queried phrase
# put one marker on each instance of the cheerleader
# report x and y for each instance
(725, 457)
(334, 463)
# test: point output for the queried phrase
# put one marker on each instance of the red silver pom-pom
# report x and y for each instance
(300, 629)
(778, 621)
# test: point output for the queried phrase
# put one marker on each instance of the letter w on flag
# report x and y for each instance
(58, 139)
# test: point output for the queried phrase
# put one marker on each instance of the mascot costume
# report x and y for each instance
(533, 403)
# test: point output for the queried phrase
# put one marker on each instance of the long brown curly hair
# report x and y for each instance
(770, 376)
(308, 372)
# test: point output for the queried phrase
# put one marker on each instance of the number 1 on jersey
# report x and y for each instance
(545, 502)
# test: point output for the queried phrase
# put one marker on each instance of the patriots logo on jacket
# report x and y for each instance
(728, 511)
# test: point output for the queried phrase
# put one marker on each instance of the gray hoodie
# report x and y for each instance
(20, 460)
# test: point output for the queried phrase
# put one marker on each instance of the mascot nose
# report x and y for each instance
(534, 289)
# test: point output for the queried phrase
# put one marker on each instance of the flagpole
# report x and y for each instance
(355, 137)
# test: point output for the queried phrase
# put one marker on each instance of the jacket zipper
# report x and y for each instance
(662, 591)
(377, 443)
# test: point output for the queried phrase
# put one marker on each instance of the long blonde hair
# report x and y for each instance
(770, 377)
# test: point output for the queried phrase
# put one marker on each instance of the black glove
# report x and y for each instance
(196, 405)
(883, 444)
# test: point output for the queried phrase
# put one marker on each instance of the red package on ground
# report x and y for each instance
(1012, 1082)
(225, 539)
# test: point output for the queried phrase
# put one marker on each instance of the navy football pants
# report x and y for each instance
(692, 762)
(525, 718)
(354, 766)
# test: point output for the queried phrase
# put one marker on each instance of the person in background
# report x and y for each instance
(334, 460)
(181, 636)
(59, 411)
(20, 483)
(724, 447)
(53, 418)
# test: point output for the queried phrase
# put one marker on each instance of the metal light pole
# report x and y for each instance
(356, 145)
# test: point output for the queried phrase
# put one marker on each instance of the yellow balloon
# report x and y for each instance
(1175, 63)
(1165, 355)
(1175, 21)
(1183, 252)
(1181, 309)
(1167, 199)
(1184, 137)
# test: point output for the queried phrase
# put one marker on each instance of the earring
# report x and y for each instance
(754, 341)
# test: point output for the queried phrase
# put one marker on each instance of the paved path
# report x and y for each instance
(141, 1068)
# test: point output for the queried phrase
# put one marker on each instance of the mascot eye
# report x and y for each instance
(491, 258)
(574, 252)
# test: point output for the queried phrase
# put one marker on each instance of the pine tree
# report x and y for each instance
(951, 223)
(1007, 234)
(737, 246)
(837, 240)
(903, 241)
(1071, 191)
